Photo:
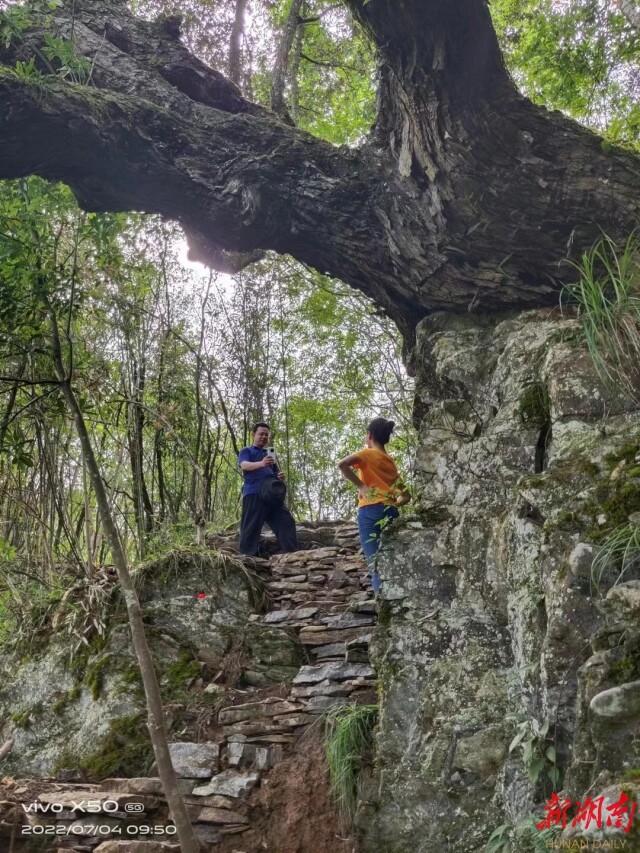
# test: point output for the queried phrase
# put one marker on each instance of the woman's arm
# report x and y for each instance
(346, 469)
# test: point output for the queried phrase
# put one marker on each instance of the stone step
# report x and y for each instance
(349, 620)
(270, 707)
(221, 816)
(333, 672)
(332, 688)
(194, 760)
(294, 614)
(332, 650)
(319, 636)
(229, 783)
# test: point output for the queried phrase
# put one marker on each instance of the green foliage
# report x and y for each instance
(523, 838)
(578, 56)
(500, 839)
(608, 296)
(64, 59)
(349, 744)
(56, 56)
(538, 754)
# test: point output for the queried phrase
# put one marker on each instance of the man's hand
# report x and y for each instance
(268, 461)
(281, 475)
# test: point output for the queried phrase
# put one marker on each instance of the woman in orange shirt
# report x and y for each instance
(379, 488)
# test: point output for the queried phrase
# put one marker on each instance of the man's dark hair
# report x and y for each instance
(257, 426)
(381, 429)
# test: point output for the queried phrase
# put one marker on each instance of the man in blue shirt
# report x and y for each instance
(256, 466)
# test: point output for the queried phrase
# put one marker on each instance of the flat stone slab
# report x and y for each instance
(136, 785)
(330, 688)
(349, 620)
(333, 671)
(215, 801)
(254, 727)
(277, 616)
(194, 760)
(323, 636)
(276, 739)
(222, 816)
(255, 711)
(229, 783)
(332, 650)
(319, 704)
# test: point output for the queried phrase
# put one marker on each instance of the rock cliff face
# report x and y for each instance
(492, 626)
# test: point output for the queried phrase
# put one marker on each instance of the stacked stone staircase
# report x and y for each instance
(322, 599)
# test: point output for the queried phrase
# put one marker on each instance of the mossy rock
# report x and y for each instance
(125, 750)
(25, 718)
(534, 406)
(626, 453)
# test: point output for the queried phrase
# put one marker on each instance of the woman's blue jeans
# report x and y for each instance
(370, 526)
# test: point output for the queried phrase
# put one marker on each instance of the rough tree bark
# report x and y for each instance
(466, 195)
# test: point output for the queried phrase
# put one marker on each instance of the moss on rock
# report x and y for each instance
(534, 406)
(124, 751)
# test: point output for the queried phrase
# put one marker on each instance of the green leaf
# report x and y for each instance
(554, 774)
(534, 769)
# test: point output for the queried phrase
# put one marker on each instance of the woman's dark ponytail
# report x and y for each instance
(381, 429)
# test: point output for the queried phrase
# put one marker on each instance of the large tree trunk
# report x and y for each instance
(466, 196)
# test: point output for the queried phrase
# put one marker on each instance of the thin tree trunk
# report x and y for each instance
(235, 44)
(294, 68)
(156, 725)
(280, 73)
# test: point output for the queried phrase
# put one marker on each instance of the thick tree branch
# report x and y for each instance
(467, 196)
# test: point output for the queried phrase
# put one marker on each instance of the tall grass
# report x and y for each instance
(608, 296)
(620, 551)
(348, 747)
